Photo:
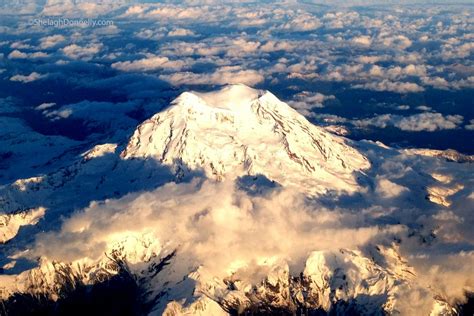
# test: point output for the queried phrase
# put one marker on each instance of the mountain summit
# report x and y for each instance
(238, 131)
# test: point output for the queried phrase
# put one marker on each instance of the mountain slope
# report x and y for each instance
(240, 131)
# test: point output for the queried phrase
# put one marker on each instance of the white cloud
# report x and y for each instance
(201, 48)
(189, 216)
(397, 72)
(152, 34)
(87, 52)
(176, 12)
(305, 101)
(181, 32)
(16, 54)
(398, 42)
(403, 107)
(44, 106)
(29, 78)
(362, 40)
(423, 108)
(149, 63)
(134, 10)
(381, 121)
(436, 82)
(273, 46)
(223, 75)
(409, 58)
(376, 71)
(241, 47)
(414, 70)
(51, 41)
(457, 50)
(75, 9)
(303, 22)
(393, 86)
(20, 45)
(369, 59)
(389, 189)
(429, 122)
(339, 19)
(424, 38)
(38, 55)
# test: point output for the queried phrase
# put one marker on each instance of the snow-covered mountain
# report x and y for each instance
(344, 228)
(240, 131)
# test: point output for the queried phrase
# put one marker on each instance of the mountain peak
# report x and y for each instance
(229, 97)
(238, 131)
(232, 98)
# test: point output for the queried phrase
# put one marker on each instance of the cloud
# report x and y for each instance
(470, 126)
(400, 42)
(251, 18)
(362, 40)
(281, 45)
(238, 49)
(392, 86)
(20, 45)
(173, 12)
(423, 108)
(16, 54)
(428, 122)
(223, 75)
(86, 53)
(402, 107)
(178, 12)
(181, 32)
(376, 71)
(366, 73)
(389, 189)
(436, 82)
(150, 34)
(149, 63)
(242, 47)
(51, 41)
(302, 22)
(44, 106)
(29, 78)
(453, 51)
(134, 10)
(58, 114)
(188, 217)
(340, 19)
(396, 72)
(413, 70)
(81, 9)
(305, 101)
